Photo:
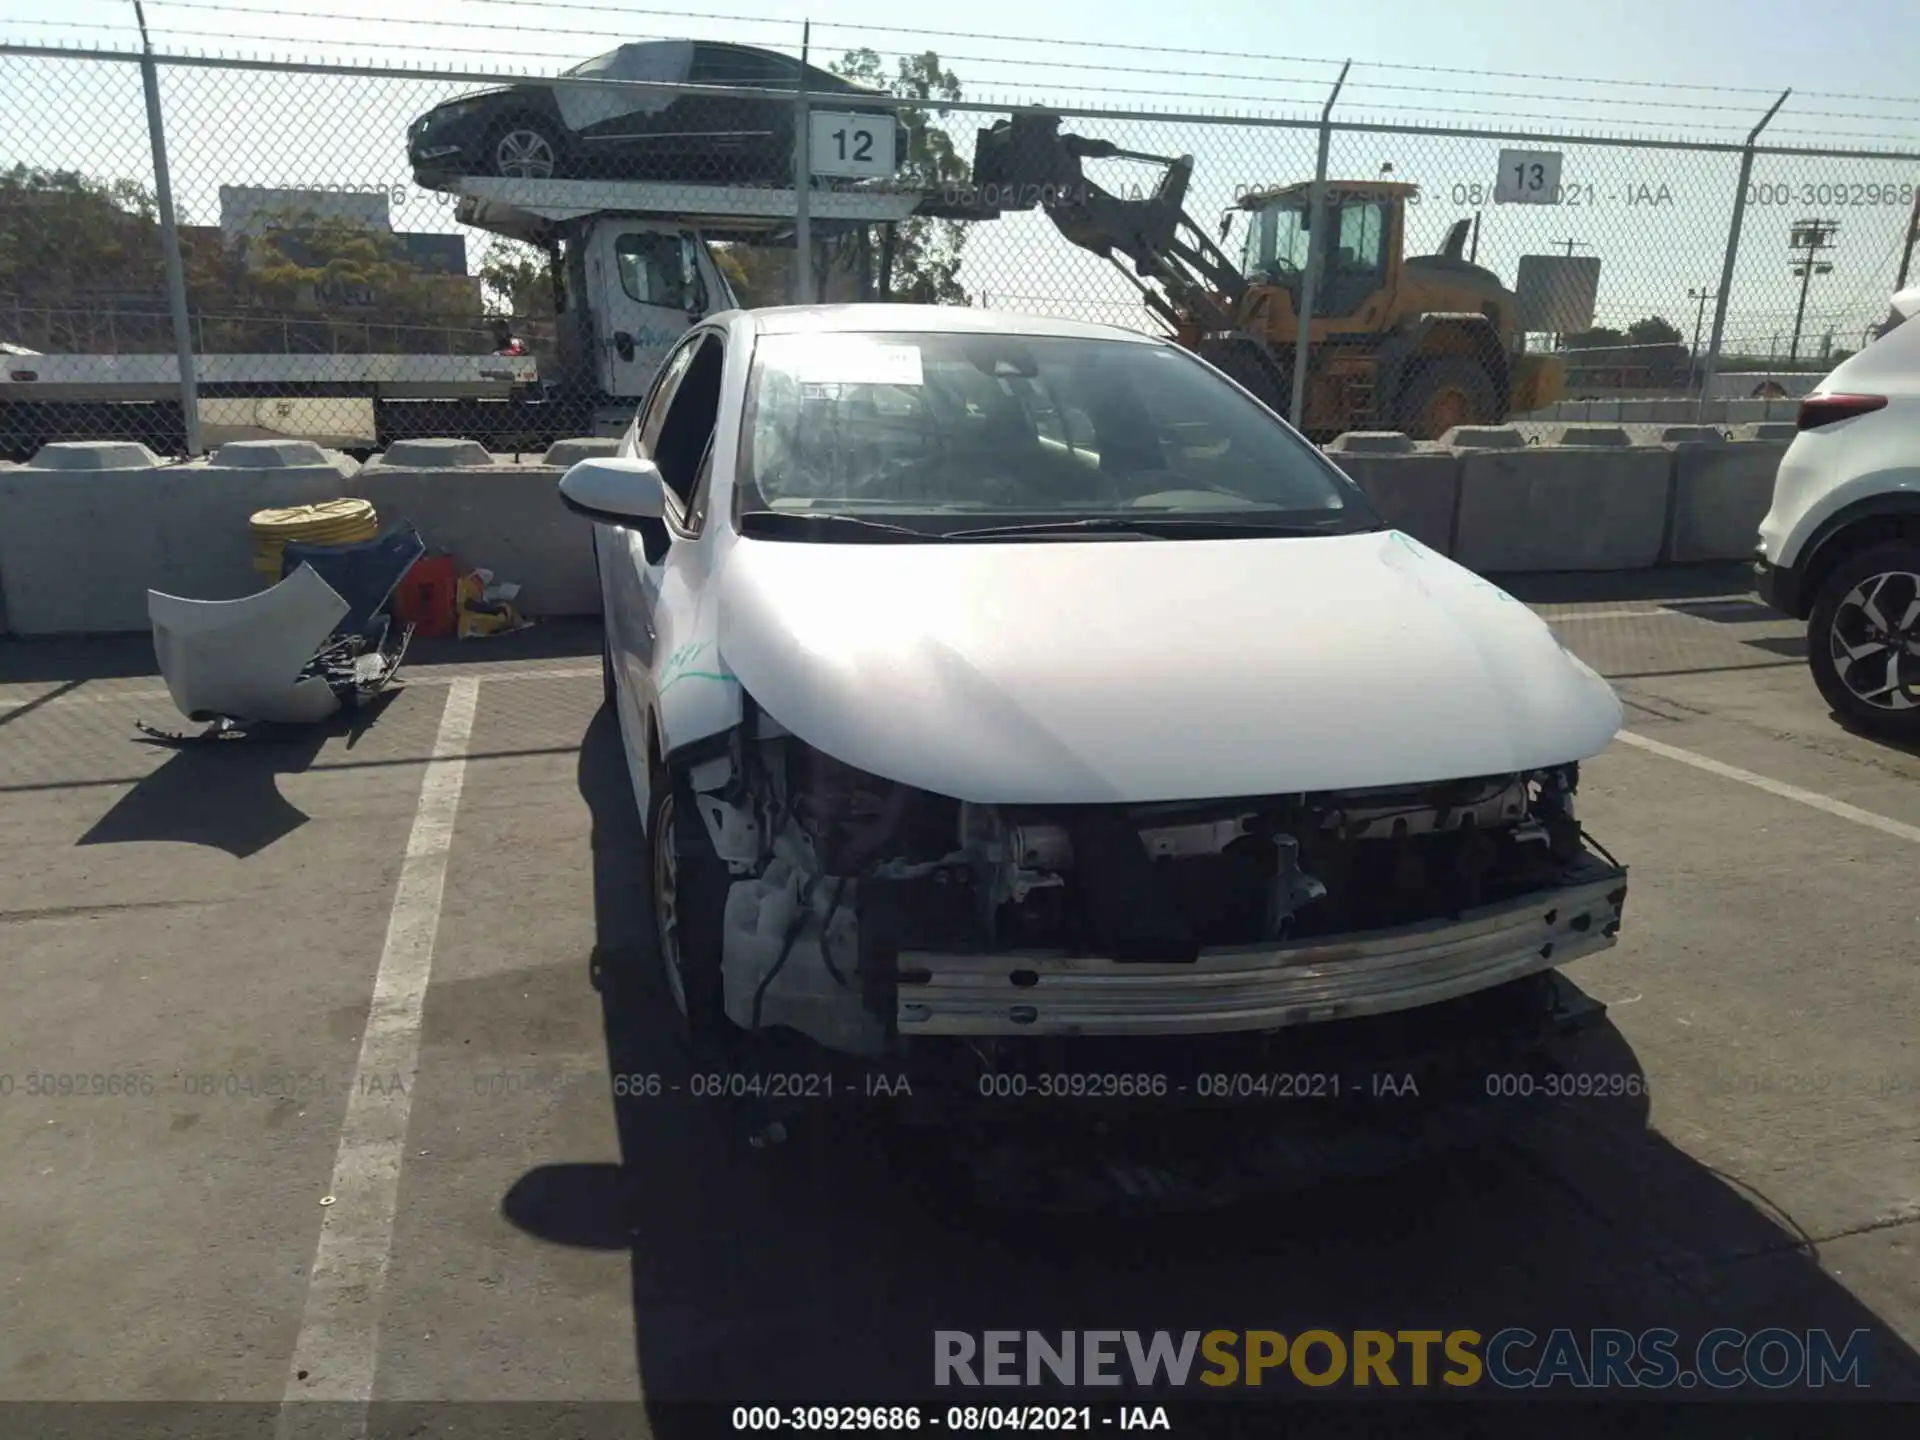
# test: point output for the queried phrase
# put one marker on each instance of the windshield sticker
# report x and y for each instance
(856, 362)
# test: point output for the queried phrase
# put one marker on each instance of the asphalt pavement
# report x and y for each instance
(308, 1059)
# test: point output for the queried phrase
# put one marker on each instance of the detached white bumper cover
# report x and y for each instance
(1261, 987)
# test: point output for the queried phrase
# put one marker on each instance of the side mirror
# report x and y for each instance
(613, 489)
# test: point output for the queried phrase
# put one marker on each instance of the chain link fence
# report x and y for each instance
(373, 253)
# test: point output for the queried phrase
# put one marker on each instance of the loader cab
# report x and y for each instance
(1359, 254)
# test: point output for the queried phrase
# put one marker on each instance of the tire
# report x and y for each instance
(1878, 690)
(1445, 391)
(525, 147)
(688, 884)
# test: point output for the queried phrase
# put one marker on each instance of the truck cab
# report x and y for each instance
(631, 287)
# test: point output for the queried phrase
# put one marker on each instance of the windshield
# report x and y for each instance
(943, 429)
(1276, 247)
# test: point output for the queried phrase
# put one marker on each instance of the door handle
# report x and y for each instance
(623, 344)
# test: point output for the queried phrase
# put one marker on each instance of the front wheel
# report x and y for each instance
(1863, 640)
(689, 884)
(1444, 392)
(524, 148)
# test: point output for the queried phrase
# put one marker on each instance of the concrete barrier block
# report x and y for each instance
(565, 454)
(434, 454)
(502, 517)
(1720, 495)
(1483, 437)
(204, 541)
(271, 455)
(1767, 430)
(1612, 437)
(79, 539)
(1562, 508)
(1415, 487)
(94, 455)
(1693, 435)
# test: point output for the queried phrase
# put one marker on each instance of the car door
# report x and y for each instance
(624, 550)
(727, 138)
(649, 286)
(662, 569)
(611, 123)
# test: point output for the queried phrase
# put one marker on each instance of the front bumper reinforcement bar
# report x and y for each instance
(1262, 987)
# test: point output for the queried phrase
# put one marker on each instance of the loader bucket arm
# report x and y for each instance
(1026, 162)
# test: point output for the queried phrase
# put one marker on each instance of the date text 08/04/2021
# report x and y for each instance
(953, 1419)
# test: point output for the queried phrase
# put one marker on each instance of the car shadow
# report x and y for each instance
(819, 1269)
(225, 794)
(568, 637)
(54, 659)
(1666, 582)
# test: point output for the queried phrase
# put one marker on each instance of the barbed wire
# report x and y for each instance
(990, 87)
(1666, 87)
(1090, 68)
(1148, 48)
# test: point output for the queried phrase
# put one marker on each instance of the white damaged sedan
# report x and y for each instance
(992, 683)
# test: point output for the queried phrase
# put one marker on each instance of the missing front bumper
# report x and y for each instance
(1263, 987)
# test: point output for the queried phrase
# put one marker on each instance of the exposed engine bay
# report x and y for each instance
(864, 912)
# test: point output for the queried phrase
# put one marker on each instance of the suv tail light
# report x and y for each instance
(1818, 410)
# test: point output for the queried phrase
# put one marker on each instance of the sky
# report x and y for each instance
(1703, 71)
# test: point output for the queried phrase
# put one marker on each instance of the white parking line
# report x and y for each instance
(1898, 829)
(1706, 602)
(1604, 615)
(423, 676)
(333, 1359)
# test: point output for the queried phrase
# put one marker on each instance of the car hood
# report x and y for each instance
(492, 93)
(1096, 671)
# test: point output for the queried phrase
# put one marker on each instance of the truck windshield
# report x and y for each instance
(941, 429)
(1277, 242)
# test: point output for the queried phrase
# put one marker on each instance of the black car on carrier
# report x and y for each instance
(540, 131)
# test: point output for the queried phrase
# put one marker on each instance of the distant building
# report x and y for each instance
(250, 211)
(246, 211)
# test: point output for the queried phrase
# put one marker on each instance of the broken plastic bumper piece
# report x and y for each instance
(275, 658)
(1262, 987)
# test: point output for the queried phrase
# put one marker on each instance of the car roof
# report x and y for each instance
(926, 320)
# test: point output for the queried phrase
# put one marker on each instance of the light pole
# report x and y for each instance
(1810, 236)
(1700, 296)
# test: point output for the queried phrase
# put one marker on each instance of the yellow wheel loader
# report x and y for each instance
(1412, 343)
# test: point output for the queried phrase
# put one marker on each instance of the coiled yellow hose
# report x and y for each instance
(331, 522)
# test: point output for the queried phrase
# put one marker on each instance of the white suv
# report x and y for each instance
(1840, 548)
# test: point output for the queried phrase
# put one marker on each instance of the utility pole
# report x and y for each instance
(802, 180)
(1700, 296)
(1812, 237)
(1913, 234)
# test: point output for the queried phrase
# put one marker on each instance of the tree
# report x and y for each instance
(917, 259)
(1598, 338)
(518, 279)
(81, 268)
(1653, 331)
(321, 270)
(71, 249)
(1647, 353)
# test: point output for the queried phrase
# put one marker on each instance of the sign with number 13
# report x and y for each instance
(1528, 177)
